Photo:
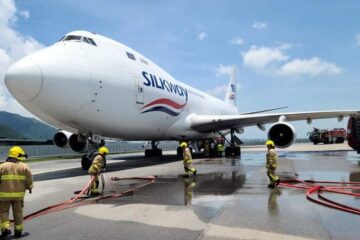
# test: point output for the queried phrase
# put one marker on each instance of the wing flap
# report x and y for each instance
(210, 123)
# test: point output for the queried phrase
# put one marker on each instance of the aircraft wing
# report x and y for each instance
(210, 123)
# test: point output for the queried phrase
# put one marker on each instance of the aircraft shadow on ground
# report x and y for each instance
(130, 163)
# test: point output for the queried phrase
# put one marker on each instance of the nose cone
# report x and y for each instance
(24, 79)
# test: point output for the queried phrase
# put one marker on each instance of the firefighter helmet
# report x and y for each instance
(103, 150)
(270, 143)
(18, 153)
(183, 144)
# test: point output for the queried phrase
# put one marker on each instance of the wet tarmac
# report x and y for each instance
(228, 199)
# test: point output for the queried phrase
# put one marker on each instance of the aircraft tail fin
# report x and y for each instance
(230, 96)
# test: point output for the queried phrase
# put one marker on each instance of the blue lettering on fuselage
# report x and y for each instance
(151, 80)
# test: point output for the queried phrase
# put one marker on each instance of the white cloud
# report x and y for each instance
(357, 39)
(13, 45)
(202, 36)
(273, 60)
(25, 14)
(258, 58)
(220, 91)
(259, 25)
(237, 41)
(224, 70)
(313, 67)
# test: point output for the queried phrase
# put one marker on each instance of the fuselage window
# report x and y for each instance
(131, 56)
(144, 61)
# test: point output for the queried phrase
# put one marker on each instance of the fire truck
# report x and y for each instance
(353, 131)
(336, 135)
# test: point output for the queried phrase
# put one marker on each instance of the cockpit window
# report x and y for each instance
(72, 37)
(78, 38)
(92, 41)
(61, 39)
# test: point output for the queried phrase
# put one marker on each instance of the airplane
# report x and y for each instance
(93, 87)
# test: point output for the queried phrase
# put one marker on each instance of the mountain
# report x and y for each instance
(8, 132)
(16, 126)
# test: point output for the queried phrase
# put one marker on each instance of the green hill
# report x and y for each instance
(16, 126)
(8, 132)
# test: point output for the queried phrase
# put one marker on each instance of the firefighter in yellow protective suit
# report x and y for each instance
(187, 159)
(220, 149)
(15, 178)
(96, 168)
(271, 164)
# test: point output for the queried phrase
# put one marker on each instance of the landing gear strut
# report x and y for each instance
(154, 151)
(233, 150)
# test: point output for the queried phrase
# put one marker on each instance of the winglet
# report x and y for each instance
(230, 96)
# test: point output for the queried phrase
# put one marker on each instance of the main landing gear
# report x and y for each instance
(154, 151)
(233, 149)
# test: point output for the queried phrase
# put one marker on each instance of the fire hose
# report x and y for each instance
(81, 199)
(321, 187)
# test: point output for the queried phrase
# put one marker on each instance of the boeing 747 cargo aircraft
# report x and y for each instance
(93, 87)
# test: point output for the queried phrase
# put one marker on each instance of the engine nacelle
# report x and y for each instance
(61, 138)
(78, 143)
(283, 134)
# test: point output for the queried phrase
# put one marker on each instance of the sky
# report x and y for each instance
(299, 54)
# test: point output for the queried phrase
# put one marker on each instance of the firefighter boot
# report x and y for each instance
(5, 233)
(17, 233)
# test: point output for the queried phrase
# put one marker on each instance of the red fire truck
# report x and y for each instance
(336, 135)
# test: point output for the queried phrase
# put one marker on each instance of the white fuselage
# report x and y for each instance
(101, 89)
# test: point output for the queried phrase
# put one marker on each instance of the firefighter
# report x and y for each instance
(220, 148)
(206, 148)
(96, 168)
(271, 164)
(15, 178)
(187, 159)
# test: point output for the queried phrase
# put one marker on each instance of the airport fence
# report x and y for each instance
(36, 151)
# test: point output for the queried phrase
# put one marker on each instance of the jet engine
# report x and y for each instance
(77, 143)
(283, 134)
(61, 138)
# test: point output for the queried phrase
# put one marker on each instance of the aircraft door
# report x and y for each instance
(139, 91)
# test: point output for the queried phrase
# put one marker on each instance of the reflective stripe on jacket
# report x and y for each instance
(15, 178)
(187, 156)
(97, 165)
(271, 159)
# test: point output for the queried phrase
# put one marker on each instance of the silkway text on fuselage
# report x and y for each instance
(157, 82)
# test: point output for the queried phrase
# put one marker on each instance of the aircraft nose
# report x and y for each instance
(24, 79)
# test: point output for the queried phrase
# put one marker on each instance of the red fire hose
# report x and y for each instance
(312, 187)
(80, 198)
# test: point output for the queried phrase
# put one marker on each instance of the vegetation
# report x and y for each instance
(18, 127)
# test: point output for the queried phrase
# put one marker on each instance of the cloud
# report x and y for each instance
(224, 70)
(13, 45)
(259, 25)
(313, 67)
(258, 58)
(202, 36)
(357, 39)
(274, 61)
(220, 91)
(237, 41)
(25, 14)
